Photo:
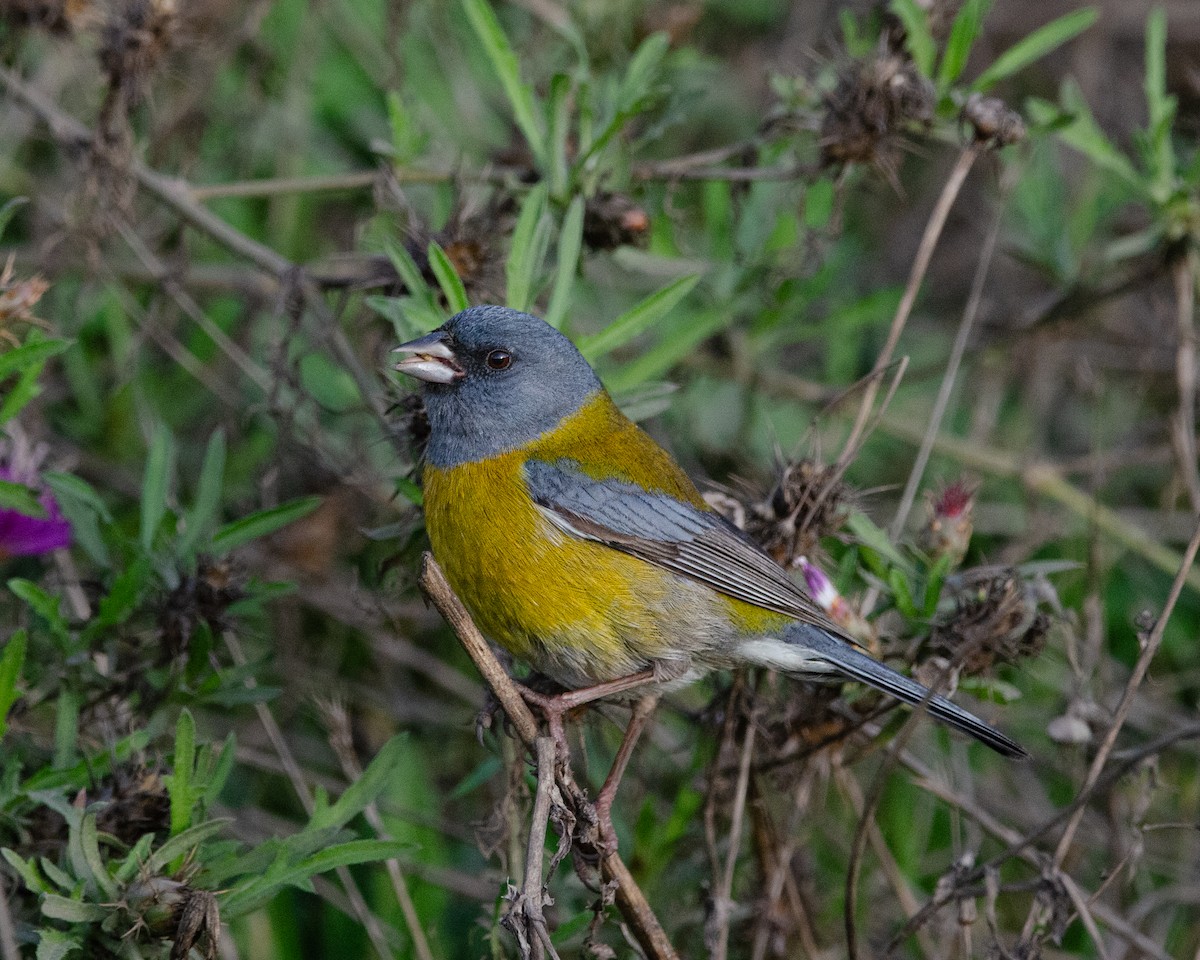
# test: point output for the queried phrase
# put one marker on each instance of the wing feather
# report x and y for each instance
(663, 530)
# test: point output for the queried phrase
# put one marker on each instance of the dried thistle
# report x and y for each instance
(991, 121)
(807, 502)
(472, 240)
(167, 907)
(612, 220)
(875, 102)
(996, 620)
(134, 37)
(202, 597)
(17, 300)
(137, 803)
(949, 522)
(57, 16)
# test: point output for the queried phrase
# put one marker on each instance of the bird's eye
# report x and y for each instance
(499, 359)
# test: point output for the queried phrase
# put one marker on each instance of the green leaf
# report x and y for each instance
(1084, 134)
(8, 210)
(156, 483)
(504, 61)
(482, 773)
(448, 278)
(963, 33)
(134, 862)
(1160, 104)
(409, 272)
(82, 506)
(22, 499)
(1035, 46)
(179, 782)
(67, 486)
(220, 771)
(558, 116)
(20, 393)
(570, 242)
(1160, 154)
(638, 318)
(46, 605)
(529, 241)
(933, 585)
(874, 538)
(122, 599)
(207, 504)
(27, 870)
(30, 356)
(918, 39)
(643, 70)
(260, 524)
(330, 384)
(56, 944)
(362, 791)
(183, 843)
(73, 911)
(12, 660)
(89, 841)
(902, 593)
(680, 341)
(66, 728)
(249, 896)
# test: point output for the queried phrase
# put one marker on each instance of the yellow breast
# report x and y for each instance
(579, 611)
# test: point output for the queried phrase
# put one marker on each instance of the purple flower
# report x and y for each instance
(21, 535)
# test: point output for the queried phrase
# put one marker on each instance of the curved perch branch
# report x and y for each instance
(630, 900)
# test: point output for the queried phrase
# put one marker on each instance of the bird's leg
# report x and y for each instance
(557, 706)
(642, 711)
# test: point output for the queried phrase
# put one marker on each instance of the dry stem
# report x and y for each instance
(933, 230)
(630, 900)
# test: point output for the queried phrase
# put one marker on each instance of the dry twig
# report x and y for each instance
(630, 900)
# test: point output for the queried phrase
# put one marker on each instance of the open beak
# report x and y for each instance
(431, 360)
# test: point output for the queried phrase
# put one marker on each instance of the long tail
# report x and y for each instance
(809, 649)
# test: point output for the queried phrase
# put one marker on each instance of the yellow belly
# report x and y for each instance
(576, 610)
(542, 595)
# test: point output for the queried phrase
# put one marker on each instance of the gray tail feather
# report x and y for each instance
(844, 659)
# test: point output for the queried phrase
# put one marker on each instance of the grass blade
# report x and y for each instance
(155, 483)
(637, 319)
(570, 242)
(1035, 46)
(264, 522)
(448, 278)
(504, 61)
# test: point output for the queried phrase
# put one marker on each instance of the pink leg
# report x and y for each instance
(642, 711)
(557, 706)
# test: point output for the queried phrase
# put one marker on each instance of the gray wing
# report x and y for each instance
(656, 527)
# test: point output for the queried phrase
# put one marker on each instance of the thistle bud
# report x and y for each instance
(950, 522)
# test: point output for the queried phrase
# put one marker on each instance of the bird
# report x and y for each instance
(579, 545)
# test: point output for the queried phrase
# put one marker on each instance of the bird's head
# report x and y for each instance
(494, 379)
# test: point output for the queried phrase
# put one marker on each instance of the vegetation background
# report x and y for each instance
(911, 284)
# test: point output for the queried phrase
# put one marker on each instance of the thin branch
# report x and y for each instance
(953, 363)
(1184, 274)
(532, 897)
(723, 895)
(1150, 646)
(629, 897)
(933, 230)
